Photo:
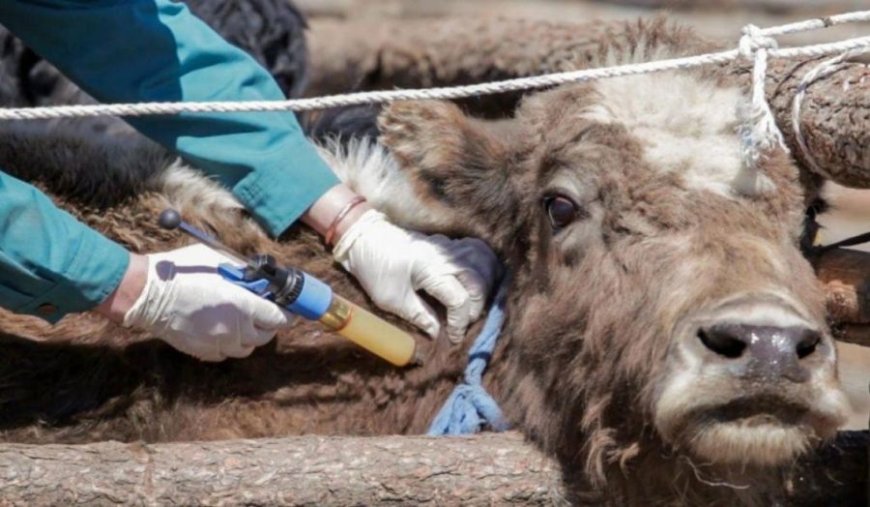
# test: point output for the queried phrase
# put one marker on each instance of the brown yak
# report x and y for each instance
(665, 338)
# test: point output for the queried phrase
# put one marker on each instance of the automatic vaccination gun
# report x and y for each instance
(302, 294)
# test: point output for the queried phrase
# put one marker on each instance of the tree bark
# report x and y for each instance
(484, 470)
(487, 469)
(834, 117)
(412, 53)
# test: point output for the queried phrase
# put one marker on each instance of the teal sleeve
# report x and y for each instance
(156, 50)
(50, 263)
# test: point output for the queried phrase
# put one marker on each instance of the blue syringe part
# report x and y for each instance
(312, 303)
(314, 300)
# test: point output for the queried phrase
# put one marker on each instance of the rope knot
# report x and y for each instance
(753, 40)
(758, 129)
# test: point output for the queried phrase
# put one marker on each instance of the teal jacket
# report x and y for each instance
(146, 51)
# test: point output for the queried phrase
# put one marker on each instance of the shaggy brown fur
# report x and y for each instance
(592, 313)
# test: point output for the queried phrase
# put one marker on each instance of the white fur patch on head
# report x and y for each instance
(371, 171)
(687, 126)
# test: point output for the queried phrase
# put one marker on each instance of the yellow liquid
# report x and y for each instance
(371, 332)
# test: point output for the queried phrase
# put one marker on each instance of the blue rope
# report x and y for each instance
(469, 407)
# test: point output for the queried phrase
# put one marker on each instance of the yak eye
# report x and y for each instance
(560, 210)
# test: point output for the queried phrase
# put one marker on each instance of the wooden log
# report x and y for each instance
(730, 5)
(373, 54)
(421, 53)
(846, 277)
(834, 118)
(769, 11)
(487, 469)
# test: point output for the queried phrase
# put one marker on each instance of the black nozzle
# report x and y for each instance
(284, 283)
(169, 219)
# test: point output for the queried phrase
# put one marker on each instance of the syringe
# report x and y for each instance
(304, 295)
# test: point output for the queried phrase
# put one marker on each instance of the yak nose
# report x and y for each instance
(763, 351)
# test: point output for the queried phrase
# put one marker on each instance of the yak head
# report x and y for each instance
(659, 296)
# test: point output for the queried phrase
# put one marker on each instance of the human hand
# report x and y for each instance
(392, 264)
(189, 305)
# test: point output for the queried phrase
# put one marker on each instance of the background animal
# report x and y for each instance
(272, 31)
(641, 269)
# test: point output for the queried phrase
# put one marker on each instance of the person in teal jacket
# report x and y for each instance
(157, 50)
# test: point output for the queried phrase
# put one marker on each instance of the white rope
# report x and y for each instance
(756, 44)
(814, 24)
(820, 71)
(758, 130)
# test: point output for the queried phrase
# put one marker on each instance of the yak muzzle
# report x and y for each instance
(763, 352)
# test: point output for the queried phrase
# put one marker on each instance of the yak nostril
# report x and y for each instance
(764, 352)
(721, 341)
(807, 344)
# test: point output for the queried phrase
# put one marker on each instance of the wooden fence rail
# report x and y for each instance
(488, 469)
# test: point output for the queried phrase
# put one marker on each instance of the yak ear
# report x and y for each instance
(461, 168)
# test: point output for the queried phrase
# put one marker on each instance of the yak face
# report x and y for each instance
(657, 282)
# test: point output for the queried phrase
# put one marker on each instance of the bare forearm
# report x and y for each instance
(122, 299)
(323, 213)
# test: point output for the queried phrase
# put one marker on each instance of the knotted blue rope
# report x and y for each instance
(469, 407)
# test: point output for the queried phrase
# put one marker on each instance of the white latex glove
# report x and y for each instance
(193, 308)
(392, 264)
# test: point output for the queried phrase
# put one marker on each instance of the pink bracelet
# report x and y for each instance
(330, 232)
